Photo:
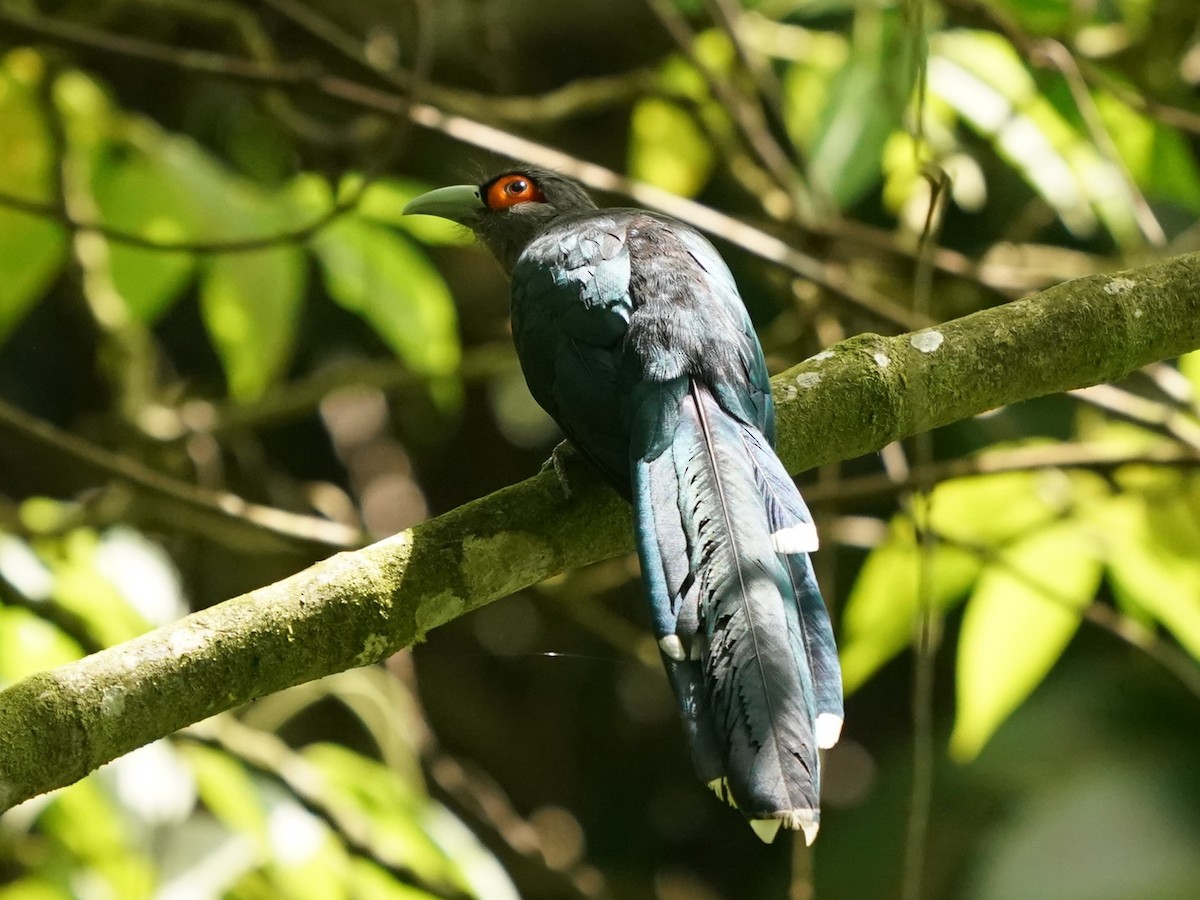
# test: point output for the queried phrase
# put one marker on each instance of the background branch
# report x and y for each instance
(222, 513)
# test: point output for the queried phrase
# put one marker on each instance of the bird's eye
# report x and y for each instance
(509, 190)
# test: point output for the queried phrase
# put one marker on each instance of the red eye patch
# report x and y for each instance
(509, 190)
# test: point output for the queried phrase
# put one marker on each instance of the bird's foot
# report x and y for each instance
(558, 462)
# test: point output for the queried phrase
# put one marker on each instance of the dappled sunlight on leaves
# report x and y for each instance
(226, 353)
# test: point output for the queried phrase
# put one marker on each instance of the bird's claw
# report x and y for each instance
(557, 462)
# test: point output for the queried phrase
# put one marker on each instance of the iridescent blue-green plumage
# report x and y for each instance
(633, 337)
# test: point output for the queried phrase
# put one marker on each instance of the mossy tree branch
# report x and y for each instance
(358, 607)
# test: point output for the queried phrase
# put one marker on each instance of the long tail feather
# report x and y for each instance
(751, 683)
(666, 573)
(787, 512)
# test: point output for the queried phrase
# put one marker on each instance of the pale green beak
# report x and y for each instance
(459, 203)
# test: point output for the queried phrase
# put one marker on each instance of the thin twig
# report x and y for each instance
(51, 210)
(274, 522)
(929, 632)
(66, 620)
(477, 797)
(1101, 458)
(1176, 424)
(267, 755)
(301, 397)
(1138, 636)
(23, 27)
(746, 117)
(332, 35)
(729, 15)
(578, 97)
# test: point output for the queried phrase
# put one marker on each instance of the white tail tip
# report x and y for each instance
(799, 538)
(810, 832)
(828, 728)
(766, 829)
(802, 820)
(805, 820)
(672, 646)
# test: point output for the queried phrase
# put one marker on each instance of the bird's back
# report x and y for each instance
(609, 303)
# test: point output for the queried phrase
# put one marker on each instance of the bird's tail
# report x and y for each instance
(723, 537)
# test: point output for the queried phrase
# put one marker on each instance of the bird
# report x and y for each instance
(633, 337)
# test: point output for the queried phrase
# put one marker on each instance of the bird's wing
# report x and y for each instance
(571, 309)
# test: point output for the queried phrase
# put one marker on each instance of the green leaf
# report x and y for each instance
(1040, 16)
(984, 511)
(250, 302)
(227, 790)
(991, 509)
(85, 801)
(369, 880)
(847, 152)
(29, 644)
(1152, 562)
(884, 605)
(107, 849)
(382, 277)
(318, 875)
(89, 118)
(80, 587)
(307, 860)
(807, 81)
(34, 889)
(1020, 617)
(984, 79)
(864, 105)
(1137, 16)
(131, 189)
(32, 249)
(1189, 365)
(219, 205)
(405, 825)
(390, 807)
(667, 148)
(32, 252)
(1157, 156)
(136, 192)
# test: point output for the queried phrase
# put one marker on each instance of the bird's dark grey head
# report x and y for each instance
(509, 209)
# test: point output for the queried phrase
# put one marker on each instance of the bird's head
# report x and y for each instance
(508, 210)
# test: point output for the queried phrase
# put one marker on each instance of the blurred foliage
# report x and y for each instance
(206, 281)
(133, 177)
